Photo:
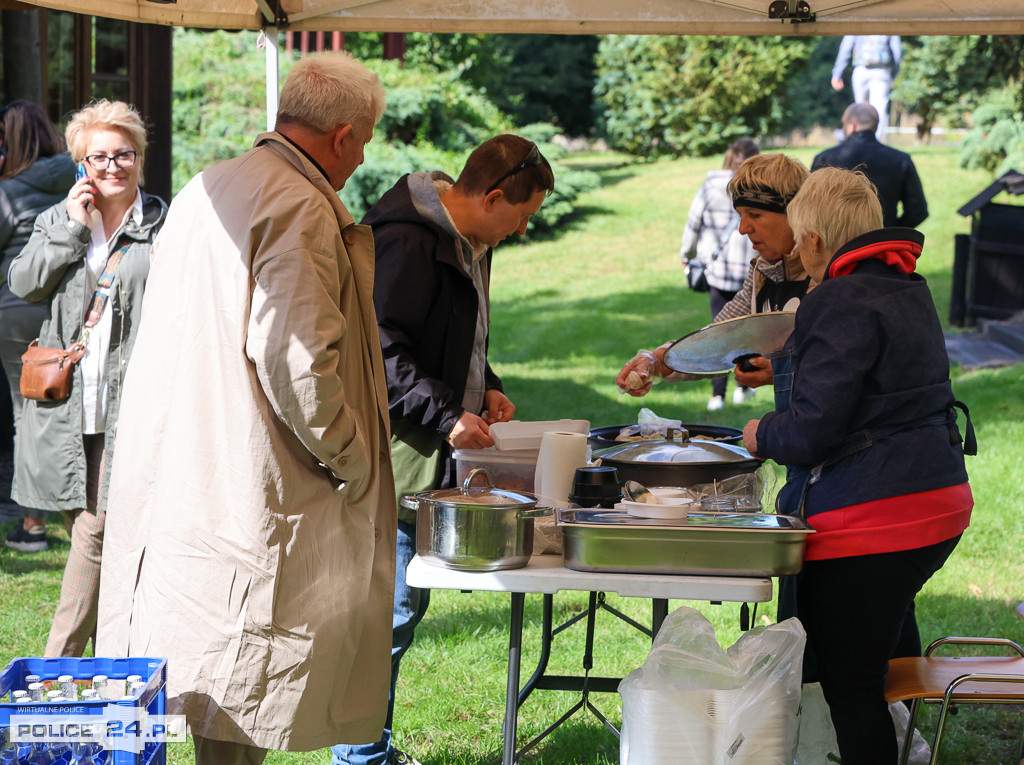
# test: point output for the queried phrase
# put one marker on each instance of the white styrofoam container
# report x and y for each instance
(519, 434)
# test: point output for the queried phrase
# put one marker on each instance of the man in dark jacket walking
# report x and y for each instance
(892, 171)
(433, 239)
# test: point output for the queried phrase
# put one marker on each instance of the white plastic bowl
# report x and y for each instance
(671, 508)
(670, 492)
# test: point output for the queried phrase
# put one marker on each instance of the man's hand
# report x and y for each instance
(470, 432)
(762, 376)
(497, 407)
(750, 438)
(837, 83)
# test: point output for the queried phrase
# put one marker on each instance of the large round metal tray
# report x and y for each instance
(719, 347)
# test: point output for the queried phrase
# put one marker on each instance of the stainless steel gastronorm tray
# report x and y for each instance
(718, 544)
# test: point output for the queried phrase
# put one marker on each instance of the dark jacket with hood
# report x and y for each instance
(427, 309)
(869, 355)
(891, 170)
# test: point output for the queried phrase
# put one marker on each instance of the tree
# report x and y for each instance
(22, 75)
(531, 78)
(948, 77)
(669, 96)
(809, 97)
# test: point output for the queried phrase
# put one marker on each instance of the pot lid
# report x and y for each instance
(667, 452)
(719, 347)
(484, 493)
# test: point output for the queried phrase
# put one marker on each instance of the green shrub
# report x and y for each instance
(435, 107)
(672, 96)
(433, 120)
(387, 162)
(996, 142)
(219, 99)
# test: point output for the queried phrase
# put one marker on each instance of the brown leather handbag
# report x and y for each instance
(46, 372)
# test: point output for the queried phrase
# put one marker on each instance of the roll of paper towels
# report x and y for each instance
(560, 455)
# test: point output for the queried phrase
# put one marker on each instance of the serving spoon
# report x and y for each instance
(637, 492)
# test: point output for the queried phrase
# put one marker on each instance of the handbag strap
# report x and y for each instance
(733, 225)
(102, 293)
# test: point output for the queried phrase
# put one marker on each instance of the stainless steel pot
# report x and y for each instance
(677, 463)
(475, 528)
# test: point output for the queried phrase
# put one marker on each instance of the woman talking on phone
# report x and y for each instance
(88, 258)
(35, 173)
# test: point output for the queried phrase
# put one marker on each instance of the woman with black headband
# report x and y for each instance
(761, 188)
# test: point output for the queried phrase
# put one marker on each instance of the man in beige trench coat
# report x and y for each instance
(250, 532)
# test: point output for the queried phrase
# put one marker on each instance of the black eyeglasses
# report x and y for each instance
(531, 160)
(102, 161)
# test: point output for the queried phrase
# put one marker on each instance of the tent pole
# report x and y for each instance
(273, 76)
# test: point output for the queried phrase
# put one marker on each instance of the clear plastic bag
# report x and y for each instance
(651, 424)
(817, 738)
(751, 492)
(692, 702)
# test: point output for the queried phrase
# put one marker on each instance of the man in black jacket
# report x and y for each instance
(433, 239)
(892, 171)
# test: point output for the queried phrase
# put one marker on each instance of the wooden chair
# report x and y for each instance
(951, 680)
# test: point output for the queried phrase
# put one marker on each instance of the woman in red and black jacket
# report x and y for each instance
(871, 432)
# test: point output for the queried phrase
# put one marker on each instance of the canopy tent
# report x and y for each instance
(703, 17)
(690, 17)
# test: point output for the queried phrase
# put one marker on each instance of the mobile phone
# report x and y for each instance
(80, 172)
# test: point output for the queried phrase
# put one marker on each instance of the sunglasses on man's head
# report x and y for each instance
(532, 159)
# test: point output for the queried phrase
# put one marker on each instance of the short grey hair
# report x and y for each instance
(838, 205)
(328, 89)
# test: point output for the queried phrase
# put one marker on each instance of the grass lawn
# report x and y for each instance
(568, 311)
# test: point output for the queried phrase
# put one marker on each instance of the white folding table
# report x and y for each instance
(546, 575)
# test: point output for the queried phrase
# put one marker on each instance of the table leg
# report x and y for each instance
(515, 649)
(545, 649)
(659, 611)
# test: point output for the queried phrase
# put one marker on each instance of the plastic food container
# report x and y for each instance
(509, 469)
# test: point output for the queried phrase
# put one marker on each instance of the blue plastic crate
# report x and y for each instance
(152, 697)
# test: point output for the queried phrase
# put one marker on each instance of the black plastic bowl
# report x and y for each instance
(603, 437)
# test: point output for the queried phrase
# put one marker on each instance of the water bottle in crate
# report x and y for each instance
(121, 702)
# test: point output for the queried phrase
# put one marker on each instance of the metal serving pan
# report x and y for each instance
(719, 544)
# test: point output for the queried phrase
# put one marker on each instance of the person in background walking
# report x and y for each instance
(890, 170)
(876, 62)
(85, 252)
(35, 173)
(711, 236)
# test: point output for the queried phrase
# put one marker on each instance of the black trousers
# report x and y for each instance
(853, 610)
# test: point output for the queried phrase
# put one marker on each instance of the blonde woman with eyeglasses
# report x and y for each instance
(88, 259)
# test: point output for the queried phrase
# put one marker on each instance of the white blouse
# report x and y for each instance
(94, 363)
